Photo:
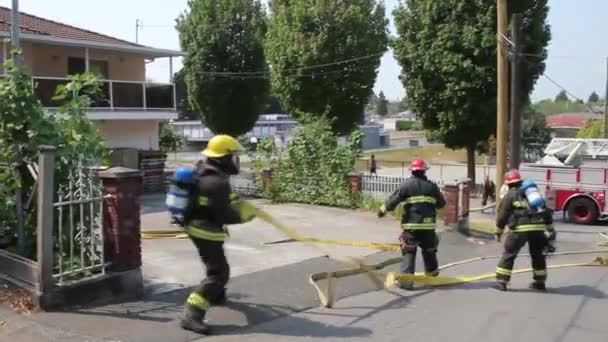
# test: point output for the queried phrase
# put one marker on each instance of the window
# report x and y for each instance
(77, 65)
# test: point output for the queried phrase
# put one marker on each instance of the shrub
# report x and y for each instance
(313, 168)
(404, 125)
(25, 126)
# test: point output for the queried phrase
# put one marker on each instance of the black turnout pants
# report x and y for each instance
(428, 242)
(514, 242)
(212, 288)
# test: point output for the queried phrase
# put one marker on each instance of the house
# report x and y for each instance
(132, 107)
(567, 125)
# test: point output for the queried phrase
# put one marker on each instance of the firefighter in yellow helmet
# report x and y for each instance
(213, 205)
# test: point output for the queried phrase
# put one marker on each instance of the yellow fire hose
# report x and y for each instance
(373, 271)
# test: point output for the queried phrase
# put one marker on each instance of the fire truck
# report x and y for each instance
(573, 176)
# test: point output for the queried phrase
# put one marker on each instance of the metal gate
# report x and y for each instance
(78, 238)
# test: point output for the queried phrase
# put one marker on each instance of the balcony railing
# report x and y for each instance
(115, 95)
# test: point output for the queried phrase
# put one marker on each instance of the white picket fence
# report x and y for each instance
(380, 187)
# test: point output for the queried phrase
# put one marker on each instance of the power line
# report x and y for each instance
(318, 66)
(569, 93)
(560, 56)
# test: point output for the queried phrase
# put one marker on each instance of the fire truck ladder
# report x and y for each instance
(567, 147)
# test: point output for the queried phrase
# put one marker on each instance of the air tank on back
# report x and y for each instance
(533, 196)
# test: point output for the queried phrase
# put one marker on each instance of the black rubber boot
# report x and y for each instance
(193, 320)
(538, 286)
(501, 286)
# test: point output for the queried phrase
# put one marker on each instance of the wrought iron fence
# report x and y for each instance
(380, 187)
(79, 243)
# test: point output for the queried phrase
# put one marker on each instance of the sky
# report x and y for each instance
(577, 58)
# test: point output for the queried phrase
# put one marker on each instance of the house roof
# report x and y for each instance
(570, 120)
(37, 29)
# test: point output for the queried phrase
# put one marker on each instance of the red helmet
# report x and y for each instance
(512, 176)
(418, 165)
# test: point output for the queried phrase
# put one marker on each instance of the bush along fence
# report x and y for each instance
(378, 188)
(88, 246)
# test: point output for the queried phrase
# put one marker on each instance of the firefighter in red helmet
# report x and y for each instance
(422, 198)
(525, 225)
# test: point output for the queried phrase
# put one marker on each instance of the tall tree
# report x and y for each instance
(536, 134)
(382, 105)
(594, 97)
(324, 56)
(273, 106)
(403, 104)
(447, 50)
(184, 110)
(225, 62)
(562, 96)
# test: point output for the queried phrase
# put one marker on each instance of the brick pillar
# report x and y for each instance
(465, 199)
(266, 178)
(450, 213)
(355, 182)
(122, 226)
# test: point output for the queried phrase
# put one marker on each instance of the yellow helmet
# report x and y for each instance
(220, 146)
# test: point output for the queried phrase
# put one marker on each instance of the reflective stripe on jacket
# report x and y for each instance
(421, 199)
(214, 206)
(515, 213)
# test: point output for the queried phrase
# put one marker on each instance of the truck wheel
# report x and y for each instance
(582, 211)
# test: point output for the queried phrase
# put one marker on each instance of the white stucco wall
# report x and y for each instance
(139, 134)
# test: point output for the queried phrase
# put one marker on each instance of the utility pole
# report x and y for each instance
(502, 96)
(606, 107)
(137, 25)
(16, 44)
(516, 101)
(15, 39)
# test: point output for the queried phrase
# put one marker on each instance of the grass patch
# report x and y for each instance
(429, 152)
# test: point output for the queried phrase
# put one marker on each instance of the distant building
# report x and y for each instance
(408, 115)
(374, 136)
(278, 126)
(567, 125)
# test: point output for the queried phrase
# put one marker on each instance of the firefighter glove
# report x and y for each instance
(552, 235)
(382, 211)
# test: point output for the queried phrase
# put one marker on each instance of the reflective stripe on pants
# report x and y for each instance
(204, 234)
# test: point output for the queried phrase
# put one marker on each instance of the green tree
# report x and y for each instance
(324, 56)
(562, 96)
(273, 106)
(447, 50)
(184, 110)
(169, 141)
(403, 105)
(382, 105)
(536, 134)
(225, 62)
(593, 129)
(594, 97)
(370, 107)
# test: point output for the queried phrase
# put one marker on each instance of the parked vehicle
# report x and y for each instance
(573, 176)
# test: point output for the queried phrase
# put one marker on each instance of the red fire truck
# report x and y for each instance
(573, 175)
